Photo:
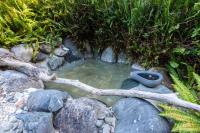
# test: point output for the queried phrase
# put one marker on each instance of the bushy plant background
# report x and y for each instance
(149, 31)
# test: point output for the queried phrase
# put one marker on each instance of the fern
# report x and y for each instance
(186, 121)
(184, 91)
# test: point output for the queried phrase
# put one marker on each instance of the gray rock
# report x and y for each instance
(106, 128)
(108, 55)
(55, 62)
(41, 57)
(138, 116)
(110, 120)
(136, 67)
(45, 48)
(73, 54)
(122, 58)
(99, 123)
(13, 81)
(88, 52)
(132, 84)
(23, 52)
(61, 51)
(147, 78)
(47, 100)
(80, 116)
(6, 53)
(36, 122)
(129, 83)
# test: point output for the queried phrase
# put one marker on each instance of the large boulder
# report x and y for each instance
(108, 55)
(23, 52)
(73, 54)
(138, 116)
(84, 115)
(47, 100)
(36, 122)
(13, 81)
(55, 62)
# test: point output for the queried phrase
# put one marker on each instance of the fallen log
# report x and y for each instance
(38, 73)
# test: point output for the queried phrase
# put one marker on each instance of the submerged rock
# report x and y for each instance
(83, 115)
(108, 55)
(47, 100)
(138, 116)
(23, 52)
(55, 62)
(13, 81)
(36, 122)
(129, 83)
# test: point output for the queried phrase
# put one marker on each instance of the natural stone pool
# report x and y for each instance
(95, 73)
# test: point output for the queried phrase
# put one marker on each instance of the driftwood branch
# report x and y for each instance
(32, 70)
(165, 98)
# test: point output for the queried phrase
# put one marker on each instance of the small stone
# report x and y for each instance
(45, 48)
(112, 129)
(13, 119)
(137, 67)
(29, 90)
(7, 127)
(9, 98)
(40, 57)
(20, 103)
(101, 116)
(99, 123)
(106, 128)
(110, 120)
(18, 95)
(55, 62)
(15, 126)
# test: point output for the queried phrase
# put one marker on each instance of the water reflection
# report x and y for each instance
(94, 73)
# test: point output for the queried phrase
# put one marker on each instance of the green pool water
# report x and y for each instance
(95, 73)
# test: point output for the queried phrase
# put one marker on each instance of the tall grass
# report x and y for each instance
(150, 31)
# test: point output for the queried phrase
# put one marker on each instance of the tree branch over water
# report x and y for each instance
(40, 74)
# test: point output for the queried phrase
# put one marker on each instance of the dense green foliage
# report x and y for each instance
(186, 121)
(150, 31)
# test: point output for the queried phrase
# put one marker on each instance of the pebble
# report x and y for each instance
(110, 120)
(101, 116)
(106, 128)
(99, 123)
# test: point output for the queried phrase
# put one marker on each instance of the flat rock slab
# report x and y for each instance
(82, 115)
(138, 116)
(47, 100)
(36, 122)
(13, 81)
